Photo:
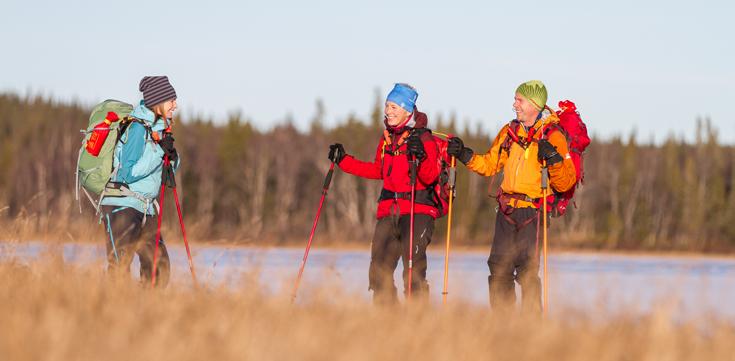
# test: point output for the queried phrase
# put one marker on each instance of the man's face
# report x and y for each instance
(394, 114)
(525, 111)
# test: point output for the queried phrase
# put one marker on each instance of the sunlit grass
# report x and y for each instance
(57, 311)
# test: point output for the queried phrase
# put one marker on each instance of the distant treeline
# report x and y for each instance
(242, 184)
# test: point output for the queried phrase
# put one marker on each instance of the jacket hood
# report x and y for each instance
(143, 113)
(421, 119)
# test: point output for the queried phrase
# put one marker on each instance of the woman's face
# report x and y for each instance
(166, 109)
(394, 114)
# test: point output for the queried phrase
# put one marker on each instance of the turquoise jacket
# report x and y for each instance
(138, 160)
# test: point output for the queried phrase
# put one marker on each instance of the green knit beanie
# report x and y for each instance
(535, 91)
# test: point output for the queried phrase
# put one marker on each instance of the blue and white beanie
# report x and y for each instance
(404, 95)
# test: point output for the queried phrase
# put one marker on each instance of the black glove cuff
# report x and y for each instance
(554, 158)
(418, 154)
(338, 160)
(466, 155)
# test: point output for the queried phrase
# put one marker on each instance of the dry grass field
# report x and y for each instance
(56, 311)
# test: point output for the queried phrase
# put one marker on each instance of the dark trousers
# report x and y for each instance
(514, 258)
(127, 235)
(391, 242)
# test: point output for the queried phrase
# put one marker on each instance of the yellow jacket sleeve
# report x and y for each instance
(493, 161)
(562, 175)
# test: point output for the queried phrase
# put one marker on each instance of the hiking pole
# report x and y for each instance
(544, 187)
(452, 184)
(413, 170)
(158, 230)
(325, 188)
(186, 243)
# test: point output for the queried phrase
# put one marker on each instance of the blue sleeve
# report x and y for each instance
(132, 151)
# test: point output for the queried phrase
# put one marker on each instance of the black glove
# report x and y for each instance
(547, 152)
(457, 149)
(416, 147)
(167, 144)
(168, 177)
(336, 153)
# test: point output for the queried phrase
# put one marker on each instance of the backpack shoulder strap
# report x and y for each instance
(127, 121)
(552, 128)
(510, 136)
(420, 131)
(424, 134)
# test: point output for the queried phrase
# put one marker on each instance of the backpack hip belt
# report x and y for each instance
(118, 189)
(507, 197)
(506, 209)
(422, 196)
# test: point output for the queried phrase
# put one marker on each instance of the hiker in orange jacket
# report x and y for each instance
(520, 150)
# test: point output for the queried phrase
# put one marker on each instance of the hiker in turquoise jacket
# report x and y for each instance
(130, 208)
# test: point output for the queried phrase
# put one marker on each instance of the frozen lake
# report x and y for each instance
(587, 282)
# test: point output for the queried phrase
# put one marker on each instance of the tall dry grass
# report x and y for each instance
(55, 311)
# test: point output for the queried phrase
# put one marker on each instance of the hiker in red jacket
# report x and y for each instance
(405, 138)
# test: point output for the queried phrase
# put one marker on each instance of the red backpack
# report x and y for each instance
(447, 176)
(574, 129)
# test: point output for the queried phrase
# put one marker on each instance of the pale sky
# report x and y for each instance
(650, 65)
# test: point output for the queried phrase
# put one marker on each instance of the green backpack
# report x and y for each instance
(93, 172)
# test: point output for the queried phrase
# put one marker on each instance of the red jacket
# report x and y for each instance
(391, 165)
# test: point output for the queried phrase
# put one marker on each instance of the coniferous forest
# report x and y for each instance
(245, 185)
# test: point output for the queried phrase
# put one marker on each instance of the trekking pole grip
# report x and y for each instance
(413, 168)
(167, 175)
(452, 173)
(544, 176)
(328, 178)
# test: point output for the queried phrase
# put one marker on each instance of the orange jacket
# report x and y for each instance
(521, 168)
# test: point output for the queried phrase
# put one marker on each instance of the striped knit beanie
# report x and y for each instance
(156, 90)
(534, 91)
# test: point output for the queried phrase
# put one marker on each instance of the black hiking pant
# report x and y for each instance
(515, 258)
(391, 242)
(128, 235)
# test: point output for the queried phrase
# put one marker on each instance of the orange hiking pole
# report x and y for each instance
(545, 188)
(325, 188)
(452, 184)
(186, 243)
